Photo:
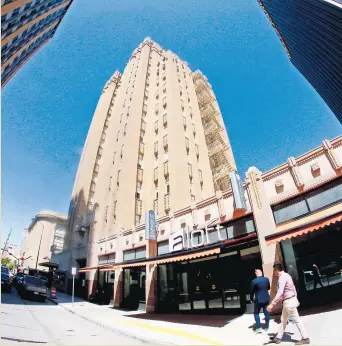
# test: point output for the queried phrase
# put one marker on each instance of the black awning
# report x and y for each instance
(49, 264)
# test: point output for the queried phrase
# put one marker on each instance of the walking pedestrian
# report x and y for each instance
(286, 292)
(316, 276)
(259, 289)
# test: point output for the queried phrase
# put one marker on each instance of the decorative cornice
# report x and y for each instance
(292, 163)
(329, 151)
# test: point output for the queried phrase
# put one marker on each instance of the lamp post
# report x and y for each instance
(40, 242)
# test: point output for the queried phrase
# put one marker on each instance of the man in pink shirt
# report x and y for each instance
(286, 292)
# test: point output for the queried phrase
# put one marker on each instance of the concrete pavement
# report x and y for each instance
(44, 323)
(323, 327)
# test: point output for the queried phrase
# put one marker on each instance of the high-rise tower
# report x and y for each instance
(157, 141)
(26, 26)
(311, 33)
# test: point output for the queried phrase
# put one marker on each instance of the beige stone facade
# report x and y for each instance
(152, 122)
(263, 192)
(157, 141)
(44, 237)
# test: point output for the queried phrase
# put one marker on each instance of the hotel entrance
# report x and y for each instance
(217, 284)
(134, 287)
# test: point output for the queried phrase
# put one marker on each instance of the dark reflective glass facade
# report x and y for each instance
(311, 32)
(25, 27)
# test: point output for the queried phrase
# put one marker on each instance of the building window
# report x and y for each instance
(309, 202)
(184, 123)
(165, 120)
(117, 136)
(122, 149)
(197, 151)
(157, 95)
(165, 143)
(187, 145)
(164, 102)
(130, 255)
(168, 188)
(155, 173)
(157, 108)
(156, 126)
(125, 130)
(156, 149)
(163, 248)
(166, 168)
(190, 170)
(200, 177)
(182, 105)
(114, 158)
(118, 179)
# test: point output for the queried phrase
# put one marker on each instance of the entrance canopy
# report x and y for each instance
(169, 259)
(309, 227)
(49, 265)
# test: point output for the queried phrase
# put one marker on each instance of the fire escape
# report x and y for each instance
(220, 154)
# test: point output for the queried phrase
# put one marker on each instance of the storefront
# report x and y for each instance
(218, 283)
(312, 252)
(134, 282)
(213, 278)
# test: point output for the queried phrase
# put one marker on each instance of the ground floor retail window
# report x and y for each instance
(134, 287)
(106, 286)
(219, 283)
(314, 261)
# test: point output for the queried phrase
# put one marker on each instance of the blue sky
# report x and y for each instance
(270, 111)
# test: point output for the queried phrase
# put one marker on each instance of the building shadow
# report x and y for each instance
(14, 299)
(217, 321)
(318, 309)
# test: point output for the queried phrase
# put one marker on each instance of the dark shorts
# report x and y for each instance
(259, 306)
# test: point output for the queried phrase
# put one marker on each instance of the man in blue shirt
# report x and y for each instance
(259, 290)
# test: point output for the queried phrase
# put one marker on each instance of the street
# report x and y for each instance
(33, 322)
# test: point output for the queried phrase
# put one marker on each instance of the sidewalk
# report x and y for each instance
(323, 327)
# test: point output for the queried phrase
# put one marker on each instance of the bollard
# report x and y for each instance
(53, 293)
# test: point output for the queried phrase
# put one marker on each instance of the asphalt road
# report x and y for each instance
(33, 322)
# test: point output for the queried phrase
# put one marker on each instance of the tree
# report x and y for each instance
(7, 262)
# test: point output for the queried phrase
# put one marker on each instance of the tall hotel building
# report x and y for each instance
(26, 26)
(311, 33)
(157, 141)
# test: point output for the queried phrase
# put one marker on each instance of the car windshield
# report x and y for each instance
(32, 280)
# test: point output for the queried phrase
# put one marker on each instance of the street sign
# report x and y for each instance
(238, 191)
(73, 270)
(150, 225)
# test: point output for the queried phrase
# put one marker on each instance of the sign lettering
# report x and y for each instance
(186, 239)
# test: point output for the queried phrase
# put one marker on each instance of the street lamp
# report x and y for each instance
(40, 242)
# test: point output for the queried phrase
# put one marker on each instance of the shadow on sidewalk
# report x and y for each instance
(200, 320)
(320, 309)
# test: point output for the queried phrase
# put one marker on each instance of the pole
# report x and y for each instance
(41, 236)
(73, 289)
(4, 248)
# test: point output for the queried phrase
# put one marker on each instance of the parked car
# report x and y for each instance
(32, 287)
(6, 283)
(17, 279)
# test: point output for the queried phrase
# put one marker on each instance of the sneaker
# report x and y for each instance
(303, 342)
(258, 331)
(275, 340)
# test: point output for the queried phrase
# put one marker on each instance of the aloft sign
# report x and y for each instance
(186, 239)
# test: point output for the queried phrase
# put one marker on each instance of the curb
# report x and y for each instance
(52, 300)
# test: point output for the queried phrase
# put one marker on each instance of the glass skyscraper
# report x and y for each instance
(311, 33)
(26, 26)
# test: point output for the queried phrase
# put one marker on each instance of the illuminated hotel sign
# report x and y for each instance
(186, 239)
